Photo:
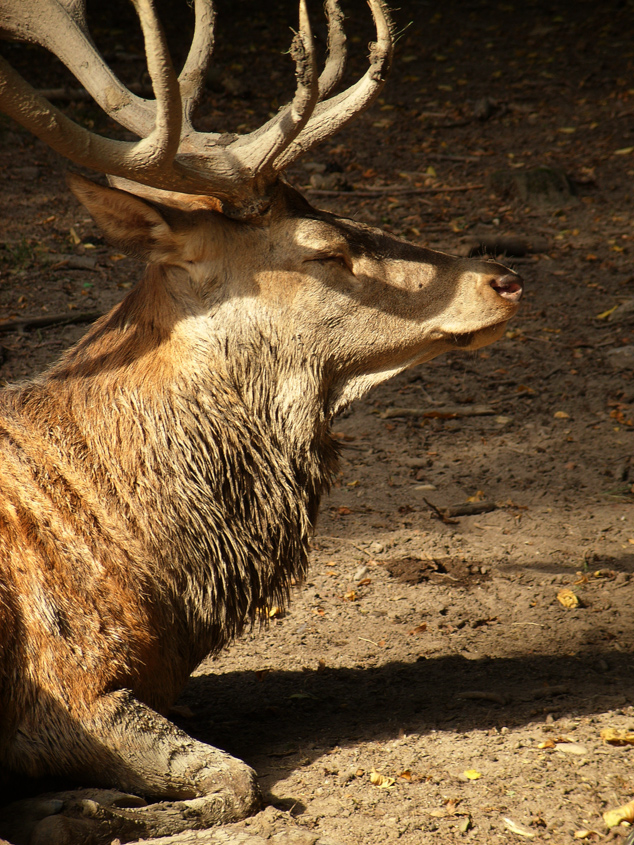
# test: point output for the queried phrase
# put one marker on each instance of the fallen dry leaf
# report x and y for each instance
(625, 813)
(350, 596)
(419, 629)
(613, 737)
(567, 598)
(261, 674)
(549, 743)
(586, 834)
(472, 774)
(448, 810)
(382, 781)
(561, 415)
(477, 497)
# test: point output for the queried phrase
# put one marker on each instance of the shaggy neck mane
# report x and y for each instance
(194, 456)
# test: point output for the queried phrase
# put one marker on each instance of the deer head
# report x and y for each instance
(246, 264)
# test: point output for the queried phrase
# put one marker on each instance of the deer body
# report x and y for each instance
(159, 485)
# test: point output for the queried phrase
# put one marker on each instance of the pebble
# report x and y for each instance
(624, 313)
(622, 357)
(360, 573)
(376, 548)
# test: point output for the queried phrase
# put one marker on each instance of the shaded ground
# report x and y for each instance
(421, 648)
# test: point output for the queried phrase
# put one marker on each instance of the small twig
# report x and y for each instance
(445, 412)
(469, 509)
(45, 322)
(536, 624)
(444, 157)
(380, 192)
(439, 514)
(477, 695)
(369, 641)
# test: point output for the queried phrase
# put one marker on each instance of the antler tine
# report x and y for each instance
(336, 60)
(334, 113)
(261, 147)
(164, 140)
(192, 76)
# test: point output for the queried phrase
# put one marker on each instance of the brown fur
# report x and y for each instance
(159, 485)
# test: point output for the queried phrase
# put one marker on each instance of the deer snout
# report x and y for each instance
(509, 286)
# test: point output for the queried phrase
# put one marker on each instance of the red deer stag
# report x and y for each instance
(159, 485)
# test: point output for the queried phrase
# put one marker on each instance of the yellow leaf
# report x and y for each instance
(567, 598)
(567, 130)
(625, 813)
(614, 737)
(605, 314)
(74, 236)
(561, 415)
(477, 497)
(382, 781)
(624, 151)
(586, 834)
(547, 744)
(472, 774)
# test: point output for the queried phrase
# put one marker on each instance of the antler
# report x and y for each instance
(171, 155)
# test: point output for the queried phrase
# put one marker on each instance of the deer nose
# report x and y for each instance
(510, 286)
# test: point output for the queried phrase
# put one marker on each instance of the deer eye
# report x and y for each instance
(341, 260)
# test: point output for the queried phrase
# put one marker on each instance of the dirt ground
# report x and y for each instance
(437, 651)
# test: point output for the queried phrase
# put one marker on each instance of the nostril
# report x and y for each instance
(510, 286)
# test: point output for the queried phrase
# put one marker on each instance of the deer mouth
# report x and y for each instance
(462, 340)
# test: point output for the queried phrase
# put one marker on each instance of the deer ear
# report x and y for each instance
(129, 223)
